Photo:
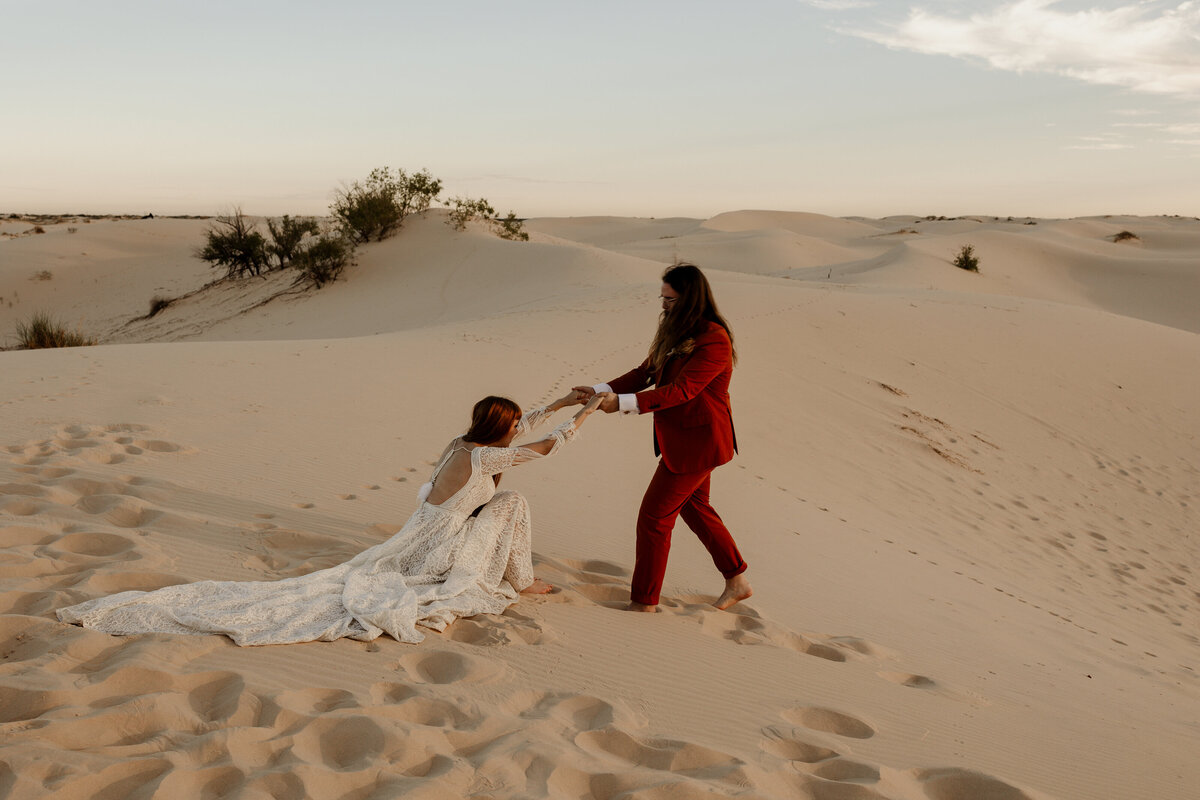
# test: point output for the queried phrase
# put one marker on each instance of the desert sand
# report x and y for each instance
(968, 502)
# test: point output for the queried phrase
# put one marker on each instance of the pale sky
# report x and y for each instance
(625, 107)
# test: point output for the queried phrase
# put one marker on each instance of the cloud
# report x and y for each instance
(1100, 146)
(838, 5)
(1142, 46)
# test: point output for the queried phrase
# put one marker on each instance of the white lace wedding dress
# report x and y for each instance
(444, 564)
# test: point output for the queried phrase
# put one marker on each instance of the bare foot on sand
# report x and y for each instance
(642, 607)
(538, 586)
(737, 589)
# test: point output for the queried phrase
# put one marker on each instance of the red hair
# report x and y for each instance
(491, 420)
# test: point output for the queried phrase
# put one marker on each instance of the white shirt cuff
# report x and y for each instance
(601, 387)
(628, 403)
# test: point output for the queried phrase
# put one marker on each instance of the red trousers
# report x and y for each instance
(669, 496)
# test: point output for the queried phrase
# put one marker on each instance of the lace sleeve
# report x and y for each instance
(532, 419)
(494, 460)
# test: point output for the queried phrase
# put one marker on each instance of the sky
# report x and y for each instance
(627, 107)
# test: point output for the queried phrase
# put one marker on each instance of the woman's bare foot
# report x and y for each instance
(538, 586)
(642, 607)
(737, 589)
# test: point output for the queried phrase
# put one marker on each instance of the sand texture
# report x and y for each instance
(968, 502)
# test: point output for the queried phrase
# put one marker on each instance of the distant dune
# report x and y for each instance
(968, 502)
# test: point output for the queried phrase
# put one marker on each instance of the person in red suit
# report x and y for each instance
(684, 383)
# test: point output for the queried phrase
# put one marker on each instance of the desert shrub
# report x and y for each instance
(38, 229)
(158, 303)
(322, 260)
(234, 243)
(43, 331)
(510, 228)
(376, 208)
(966, 259)
(72, 230)
(464, 209)
(417, 191)
(1126, 236)
(286, 235)
(44, 275)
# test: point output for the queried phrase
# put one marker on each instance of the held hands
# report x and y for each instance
(608, 402)
(574, 398)
(598, 400)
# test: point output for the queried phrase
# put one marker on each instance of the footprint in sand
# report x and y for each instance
(490, 630)
(607, 595)
(158, 446)
(575, 712)
(316, 701)
(383, 694)
(346, 743)
(115, 780)
(840, 778)
(909, 679)
(99, 545)
(20, 507)
(444, 667)
(607, 585)
(786, 743)
(21, 490)
(829, 721)
(913, 681)
(74, 490)
(429, 712)
(660, 754)
(951, 783)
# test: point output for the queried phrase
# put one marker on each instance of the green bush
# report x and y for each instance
(43, 331)
(376, 208)
(464, 209)
(966, 259)
(510, 228)
(234, 243)
(323, 260)
(286, 235)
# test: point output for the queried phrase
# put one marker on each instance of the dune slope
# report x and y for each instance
(967, 502)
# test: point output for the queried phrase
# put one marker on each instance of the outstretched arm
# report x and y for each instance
(494, 460)
(534, 417)
(711, 356)
(544, 446)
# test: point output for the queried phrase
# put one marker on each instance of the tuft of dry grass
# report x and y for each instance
(158, 303)
(43, 331)
(1126, 236)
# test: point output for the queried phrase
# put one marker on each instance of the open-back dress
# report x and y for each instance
(446, 562)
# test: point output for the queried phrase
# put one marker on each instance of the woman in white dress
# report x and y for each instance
(465, 550)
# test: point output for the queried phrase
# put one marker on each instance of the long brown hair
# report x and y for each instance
(491, 419)
(680, 324)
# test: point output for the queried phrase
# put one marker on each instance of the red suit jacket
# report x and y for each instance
(693, 422)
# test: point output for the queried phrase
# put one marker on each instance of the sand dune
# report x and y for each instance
(967, 502)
